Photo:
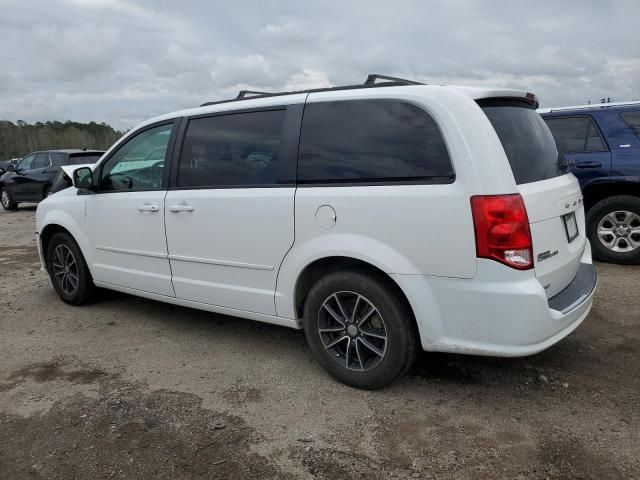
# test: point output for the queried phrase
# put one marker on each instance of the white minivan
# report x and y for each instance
(380, 218)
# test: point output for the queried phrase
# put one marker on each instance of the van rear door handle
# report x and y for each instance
(147, 207)
(589, 165)
(181, 207)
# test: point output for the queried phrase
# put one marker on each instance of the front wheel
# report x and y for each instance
(359, 329)
(7, 200)
(68, 270)
(613, 226)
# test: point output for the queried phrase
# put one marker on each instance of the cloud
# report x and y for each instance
(122, 61)
(119, 6)
(307, 79)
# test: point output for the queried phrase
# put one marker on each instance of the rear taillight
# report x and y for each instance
(502, 230)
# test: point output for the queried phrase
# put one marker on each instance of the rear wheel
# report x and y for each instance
(7, 200)
(359, 329)
(68, 270)
(613, 227)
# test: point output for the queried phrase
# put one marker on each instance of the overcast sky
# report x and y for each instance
(122, 61)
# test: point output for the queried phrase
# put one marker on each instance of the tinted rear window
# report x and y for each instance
(84, 158)
(526, 140)
(239, 149)
(577, 134)
(371, 141)
(42, 160)
(633, 120)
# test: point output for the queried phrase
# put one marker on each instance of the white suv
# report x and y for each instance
(381, 218)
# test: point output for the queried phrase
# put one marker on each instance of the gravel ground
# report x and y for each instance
(131, 388)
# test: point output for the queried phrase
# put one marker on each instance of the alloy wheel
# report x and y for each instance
(65, 269)
(352, 331)
(619, 231)
(6, 201)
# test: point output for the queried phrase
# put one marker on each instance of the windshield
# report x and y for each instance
(526, 139)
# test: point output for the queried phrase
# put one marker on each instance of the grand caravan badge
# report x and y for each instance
(548, 254)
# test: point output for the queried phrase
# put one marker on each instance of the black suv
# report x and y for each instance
(31, 180)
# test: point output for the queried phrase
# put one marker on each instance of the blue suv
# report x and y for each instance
(601, 145)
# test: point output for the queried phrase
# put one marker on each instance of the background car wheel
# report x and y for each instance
(360, 330)
(613, 227)
(7, 200)
(68, 270)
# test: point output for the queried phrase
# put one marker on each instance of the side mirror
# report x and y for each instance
(11, 168)
(83, 180)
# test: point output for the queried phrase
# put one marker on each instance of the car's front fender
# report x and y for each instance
(67, 210)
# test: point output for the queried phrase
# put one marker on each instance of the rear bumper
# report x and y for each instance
(574, 294)
(500, 312)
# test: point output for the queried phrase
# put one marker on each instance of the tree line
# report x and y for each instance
(20, 138)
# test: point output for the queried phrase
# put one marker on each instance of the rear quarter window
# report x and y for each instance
(525, 138)
(373, 141)
(58, 158)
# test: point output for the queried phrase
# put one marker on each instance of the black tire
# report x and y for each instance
(598, 212)
(84, 288)
(8, 203)
(400, 348)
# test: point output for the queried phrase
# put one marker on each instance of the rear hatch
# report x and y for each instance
(552, 197)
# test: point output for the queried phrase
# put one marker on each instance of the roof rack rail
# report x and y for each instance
(370, 82)
(243, 93)
(588, 106)
(372, 77)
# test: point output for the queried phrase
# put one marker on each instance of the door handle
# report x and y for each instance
(589, 165)
(147, 207)
(181, 207)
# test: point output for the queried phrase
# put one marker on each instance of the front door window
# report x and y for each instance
(139, 163)
(26, 163)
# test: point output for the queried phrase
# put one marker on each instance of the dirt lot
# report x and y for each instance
(131, 388)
